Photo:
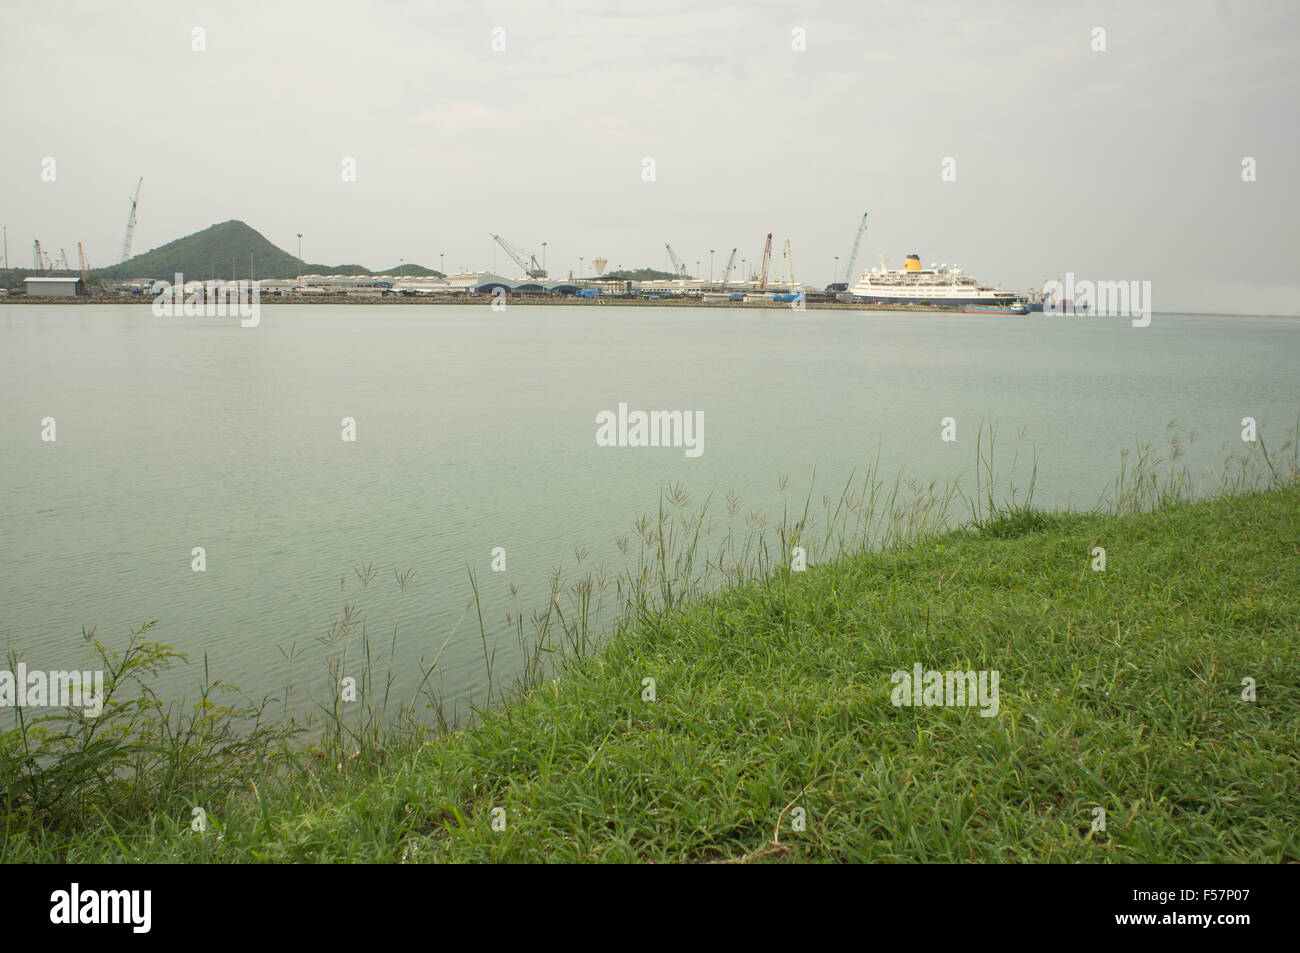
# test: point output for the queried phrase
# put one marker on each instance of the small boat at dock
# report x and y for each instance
(1014, 307)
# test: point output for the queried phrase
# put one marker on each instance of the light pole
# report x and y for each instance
(697, 269)
(442, 263)
(579, 267)
(835, 276)
(710, 266)
(543, 256)
(401, 267)
(300, 261)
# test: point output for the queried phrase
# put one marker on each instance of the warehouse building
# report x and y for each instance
(66, 286)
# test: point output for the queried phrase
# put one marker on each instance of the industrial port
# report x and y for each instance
(730, 279)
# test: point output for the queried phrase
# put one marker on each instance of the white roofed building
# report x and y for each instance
(56, 286)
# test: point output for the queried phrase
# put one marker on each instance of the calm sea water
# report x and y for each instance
(476, 430)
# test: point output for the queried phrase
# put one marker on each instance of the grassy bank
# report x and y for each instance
(1120, 689)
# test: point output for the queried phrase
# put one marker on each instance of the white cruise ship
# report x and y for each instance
(940, 285)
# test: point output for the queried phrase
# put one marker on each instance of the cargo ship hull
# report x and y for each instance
(936, 300)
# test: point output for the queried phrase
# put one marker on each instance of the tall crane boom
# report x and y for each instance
(130, 222)
(853, 255)
(767, 257)
(524, 259)
(678, 265)
(85, 268)
(789, 263)
(37, 256)
(726, 272)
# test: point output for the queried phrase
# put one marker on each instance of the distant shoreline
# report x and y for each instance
(548, 301)
(487, 300)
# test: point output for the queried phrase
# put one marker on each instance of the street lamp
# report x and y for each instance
(300, 261)
(579, 267)
(835, 276)
(697, 269)
(710, 266)
(401, 266)
(543, 256)
(442, 263)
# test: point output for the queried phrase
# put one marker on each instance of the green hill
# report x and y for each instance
(638, 274)
(225, 251)
(408, 270)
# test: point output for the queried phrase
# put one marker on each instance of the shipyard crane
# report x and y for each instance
(43, 261)
(853, 255)
(789, 263)
(524, 259)
(678, 265)
(726, 272)
(130, 222)
(85, 268)
(62, 264)
(767, 258)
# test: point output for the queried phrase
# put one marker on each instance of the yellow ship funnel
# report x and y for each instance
(913, 263)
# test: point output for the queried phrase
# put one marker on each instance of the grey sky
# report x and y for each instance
(1117, 165)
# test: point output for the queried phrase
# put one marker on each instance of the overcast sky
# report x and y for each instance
(1123, 164)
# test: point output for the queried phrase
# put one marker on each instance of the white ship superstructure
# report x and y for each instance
(936, 285)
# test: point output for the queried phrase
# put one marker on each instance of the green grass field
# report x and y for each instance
(1120, 689)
